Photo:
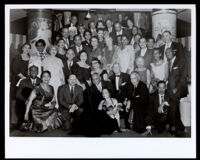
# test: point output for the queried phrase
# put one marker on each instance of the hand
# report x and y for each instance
(21, 76)
(26, 117)
(48, 104)
(127, 108)
(174, 90)
(160, 109)
(83, 86)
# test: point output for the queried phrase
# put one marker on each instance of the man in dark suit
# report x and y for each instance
(65, 36)
(96, 90)
(70, 99)
(79, 47)
(121, 83)
(145, 53)
(120, 31)
(138, 100)
(158, 109)
(70, 66)
(177, 89)
(23, 92)
(167, 38)
(109, 27)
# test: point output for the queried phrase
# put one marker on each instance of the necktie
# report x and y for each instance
(34, 83)
(72, 92)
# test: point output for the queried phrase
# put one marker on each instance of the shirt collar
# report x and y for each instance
(173, 59)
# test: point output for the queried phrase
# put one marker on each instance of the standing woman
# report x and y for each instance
(20, 67)
(55, 66)
(96, 50)
(41, 105)
(87, 36)
(61, 49)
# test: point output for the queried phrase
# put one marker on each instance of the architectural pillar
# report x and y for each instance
(67, 17)
(163, 19)
(39, 27)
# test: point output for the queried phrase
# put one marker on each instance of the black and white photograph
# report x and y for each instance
(112, 76)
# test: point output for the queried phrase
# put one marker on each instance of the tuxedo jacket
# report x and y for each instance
(68, 71)
(178, 79)
(174, 45)
(65, 99)
(96, 95)
(124, 83)
(25, 88)
(148, 57)
(86, 48)
(139, 96)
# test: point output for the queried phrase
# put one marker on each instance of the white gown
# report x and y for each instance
(159, 71)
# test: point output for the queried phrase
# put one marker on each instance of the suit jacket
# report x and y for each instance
(68, 71)
(96, 95)
(148, 57)
(124, 32)
(139, 96)
(174, 45)
(86, 48)
(124, 82)
(65, 99)
(177, 79)
(25, 88)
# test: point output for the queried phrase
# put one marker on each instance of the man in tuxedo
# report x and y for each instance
(96, 90)
(121, 83)
(70, 99)
(145, 53)
(177, 89)
(167, 39)
(23, 92)
(92, 28)
(158, 109)
(120, 31)
(79, 47)
(70, 66)
(138, 100)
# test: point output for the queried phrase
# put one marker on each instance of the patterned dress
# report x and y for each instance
(45, 117)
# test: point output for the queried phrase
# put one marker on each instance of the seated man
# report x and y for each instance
(23, 92)
(96, 90)
(70, 99)
(158, 109)
(138, 100)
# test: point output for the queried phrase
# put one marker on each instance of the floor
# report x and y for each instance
(62, 133)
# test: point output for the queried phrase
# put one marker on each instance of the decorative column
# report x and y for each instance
(67, 18)
(39, 27)
(163, 19)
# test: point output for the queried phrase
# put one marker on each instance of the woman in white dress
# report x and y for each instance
(159, 69)
(55, 66)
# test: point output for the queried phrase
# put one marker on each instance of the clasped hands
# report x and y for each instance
(160, 108)
(73, 108)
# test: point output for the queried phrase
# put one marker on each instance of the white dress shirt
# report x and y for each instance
(117, 82)
(167, 45)
(171, 63)
(99, 87)
(79, 48)
(161, 100)
(33, 81)
(119, 33)
(143, 51)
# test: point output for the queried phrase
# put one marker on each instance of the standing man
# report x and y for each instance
(70, 99)
(144, 52)
(177, 89)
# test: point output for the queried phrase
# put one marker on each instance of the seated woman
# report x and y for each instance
(143, 71)
(41, 104)
(159, 70)
(111, 107)
(96, 68)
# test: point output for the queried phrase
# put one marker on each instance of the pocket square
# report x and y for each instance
(123, 83)
(175, 68)
(137, 96)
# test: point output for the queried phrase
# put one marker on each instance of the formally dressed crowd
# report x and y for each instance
(98, 79)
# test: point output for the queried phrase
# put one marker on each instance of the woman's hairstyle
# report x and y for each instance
(26, 44)
(156, 49)
(100, 21)
(152, 39)
(87, 30)
(47, 72)
(109, 91)
(95, 38)
(81, 52)
(40, 41)
(52, 46)
(69, 49)
(135, 73)
(96, 59)
(100, 29)
(140, 57)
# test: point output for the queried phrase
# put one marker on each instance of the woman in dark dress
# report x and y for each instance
(41, 105)
(19, 67)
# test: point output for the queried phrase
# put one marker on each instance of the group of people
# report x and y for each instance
(92, 78)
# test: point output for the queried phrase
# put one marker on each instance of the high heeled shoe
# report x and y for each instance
(147, 133)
